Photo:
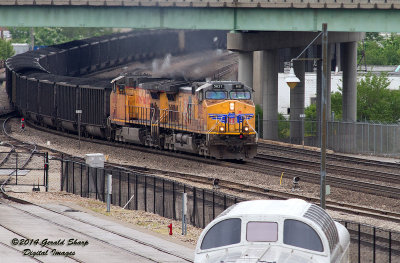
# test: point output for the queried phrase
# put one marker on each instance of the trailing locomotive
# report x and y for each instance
(214, 119)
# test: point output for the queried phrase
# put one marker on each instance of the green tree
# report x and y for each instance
(6, 49)
(283, 127)
(311, 112)
(380, 50)
(336, 104)
(375, 101)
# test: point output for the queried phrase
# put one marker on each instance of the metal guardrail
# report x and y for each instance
(347, 4)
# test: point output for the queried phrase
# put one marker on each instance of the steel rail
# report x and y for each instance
(96, 226)
(333, 168)
(26, 237)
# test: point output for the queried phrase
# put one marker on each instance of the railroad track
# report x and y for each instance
(332, 168)
(29, 259)
(16, 233)
(254, 190)
(54, 220)
(314, 177)
(331, 157)
(10, 160)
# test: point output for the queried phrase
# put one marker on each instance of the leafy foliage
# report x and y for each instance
(375, 101)
(6, 49)
(336, 104)
(311, 112)
(45, 36)
(283, 127)
(380, 50)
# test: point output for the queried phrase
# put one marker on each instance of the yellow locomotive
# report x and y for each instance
(214, 119)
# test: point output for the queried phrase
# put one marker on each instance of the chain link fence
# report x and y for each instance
(345, 137)
(164, 197)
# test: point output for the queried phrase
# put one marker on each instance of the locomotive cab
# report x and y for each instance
(229, 111)
(273, 231)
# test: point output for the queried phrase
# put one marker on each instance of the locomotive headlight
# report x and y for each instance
(232, 106)
(221, 128)
(246, 128)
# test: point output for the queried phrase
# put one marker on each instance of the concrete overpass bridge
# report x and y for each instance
(262, 15)
(259, 28)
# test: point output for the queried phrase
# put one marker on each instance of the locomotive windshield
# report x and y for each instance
(226, 232)
(216, 95)
(240, 95)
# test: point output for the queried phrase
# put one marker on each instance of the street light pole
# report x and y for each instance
(323, 112)
(292, 81)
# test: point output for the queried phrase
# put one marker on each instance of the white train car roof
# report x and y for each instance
(293, 229)
(293, 207)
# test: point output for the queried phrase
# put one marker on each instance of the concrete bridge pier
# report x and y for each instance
(266, 73)
(245, 68)
(270, 62)
(349, 106)
(297, 99)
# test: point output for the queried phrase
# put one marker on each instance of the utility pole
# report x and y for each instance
(324, 111)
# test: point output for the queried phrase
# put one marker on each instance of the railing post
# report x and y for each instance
(16, 168)
(104, 185)
(154, 194)
(109, 191)
(213, 205)
(119, 186)
(47, 170)
(66, 175)
(359, 243)
(62, 171)
(194, 206)
(136, 192)
(374, 246)
(163, 197)
(81, 172)
(129, 189)
(88, 180)
(173, 201)
(204, 210)
(390, 246)
(225, 202)
(145, 193)
(73, 179)
(95, 183)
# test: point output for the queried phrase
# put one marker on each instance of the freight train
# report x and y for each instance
(215, 119)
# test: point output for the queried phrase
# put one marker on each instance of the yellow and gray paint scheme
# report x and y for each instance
(215, 119)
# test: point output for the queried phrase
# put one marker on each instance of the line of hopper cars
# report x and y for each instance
(215, 119)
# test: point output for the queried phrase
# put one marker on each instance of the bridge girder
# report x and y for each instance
(237, 19)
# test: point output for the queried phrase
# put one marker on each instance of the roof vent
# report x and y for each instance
(321, 218)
